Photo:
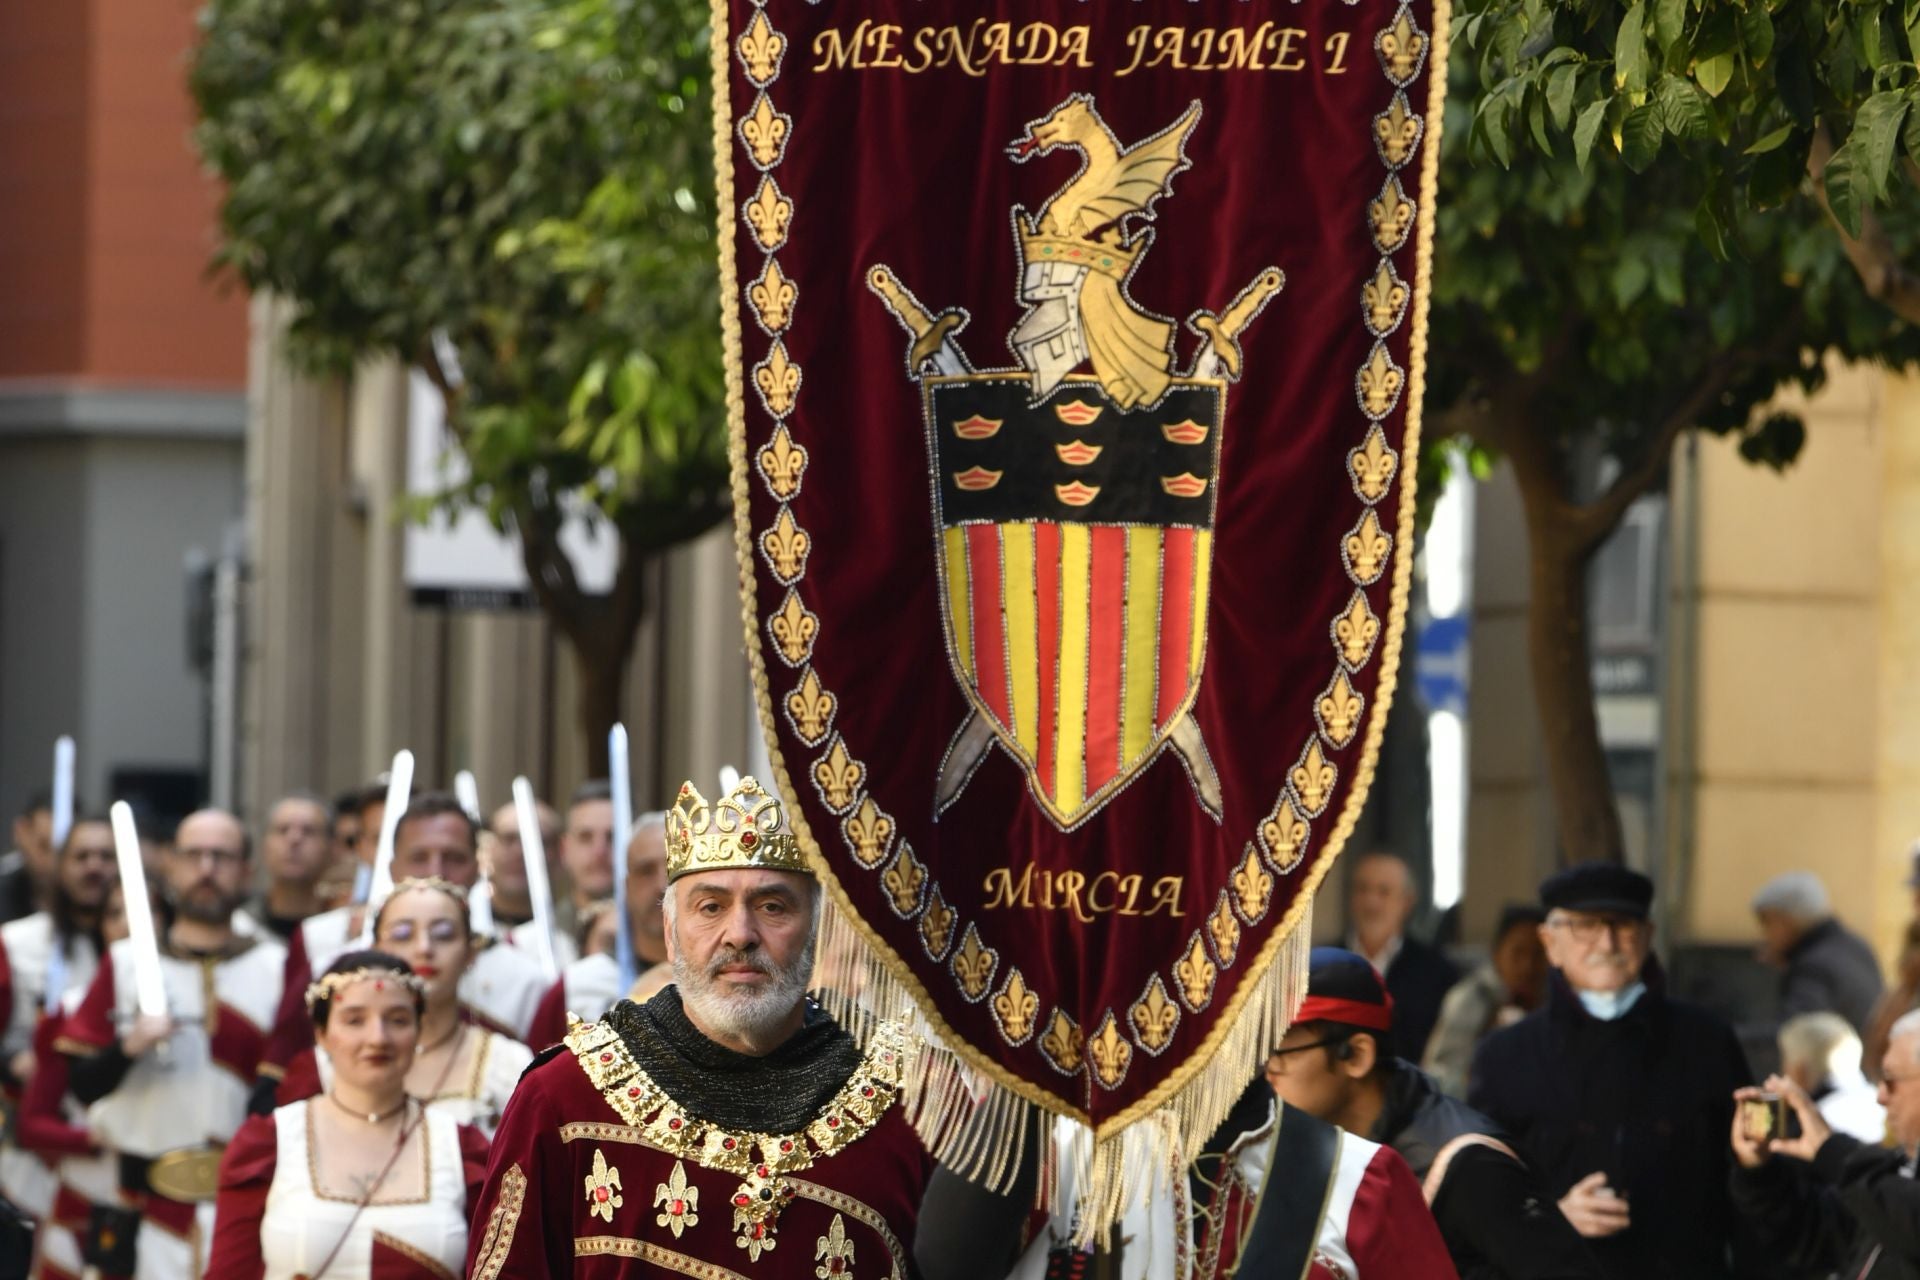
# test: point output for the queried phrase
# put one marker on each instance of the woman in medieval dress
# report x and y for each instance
(362, 1182)
(463, 1069)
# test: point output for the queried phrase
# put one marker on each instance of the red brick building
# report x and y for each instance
(122, 391)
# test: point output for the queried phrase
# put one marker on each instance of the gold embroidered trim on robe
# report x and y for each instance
(497, 1243)
(647, 1251)
(760, 1160)
(428, 1264)
(594, 1131)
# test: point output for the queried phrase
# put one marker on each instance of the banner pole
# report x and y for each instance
(622, 779)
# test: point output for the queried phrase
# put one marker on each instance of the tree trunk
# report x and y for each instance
(600, 630)
(1562, 537)
(603, 675)
(1561, 663)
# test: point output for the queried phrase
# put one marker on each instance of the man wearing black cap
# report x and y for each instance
(1619, 1098)
(1496, 1219)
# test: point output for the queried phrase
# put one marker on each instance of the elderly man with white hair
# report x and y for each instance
(1820, 1053)
(1826, 967)
(728, 1126)
(1822, 1202)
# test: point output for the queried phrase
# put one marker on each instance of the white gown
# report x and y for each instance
(301, 1225)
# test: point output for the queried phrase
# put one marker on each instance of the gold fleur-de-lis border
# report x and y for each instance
(1283, 839)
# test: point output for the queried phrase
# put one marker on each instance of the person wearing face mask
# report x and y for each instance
(1617, 1096)
(458, 1066)
(363, 1180)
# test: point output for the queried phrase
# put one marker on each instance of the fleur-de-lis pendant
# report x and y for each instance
(677, 1201)
(603, 1188)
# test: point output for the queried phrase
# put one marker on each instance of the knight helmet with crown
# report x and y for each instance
(1077, 254)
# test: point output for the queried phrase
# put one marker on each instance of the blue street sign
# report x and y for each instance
(1440, 664)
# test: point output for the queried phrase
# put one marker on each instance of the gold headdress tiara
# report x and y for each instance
(438, 883)
(329, 985)
(746, 828)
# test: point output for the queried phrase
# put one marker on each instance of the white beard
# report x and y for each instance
(743, 1013)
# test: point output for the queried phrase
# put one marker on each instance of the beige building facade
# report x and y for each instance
(1779, 727)
(341, 669)
(1786, 714)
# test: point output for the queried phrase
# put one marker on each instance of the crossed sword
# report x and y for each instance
(933, 351)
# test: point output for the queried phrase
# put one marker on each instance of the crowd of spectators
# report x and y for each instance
(1584, 1083)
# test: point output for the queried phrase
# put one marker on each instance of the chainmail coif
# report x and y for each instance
(778, 1093)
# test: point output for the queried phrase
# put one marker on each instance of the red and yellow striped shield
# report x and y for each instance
(1076, 542)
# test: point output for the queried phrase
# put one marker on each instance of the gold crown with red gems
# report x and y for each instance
(746, 829)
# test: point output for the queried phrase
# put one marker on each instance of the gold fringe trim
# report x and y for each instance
(976, 1126)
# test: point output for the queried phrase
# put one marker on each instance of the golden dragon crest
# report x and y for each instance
(1079, 250)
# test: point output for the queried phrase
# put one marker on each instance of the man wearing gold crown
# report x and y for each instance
(727, 1126)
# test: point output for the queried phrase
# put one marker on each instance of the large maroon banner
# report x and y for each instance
(1076, 351)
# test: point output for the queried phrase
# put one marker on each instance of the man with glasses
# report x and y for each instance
(166, 1090)
(1335, 1063)
(1615, 1095)
(1836, 1205)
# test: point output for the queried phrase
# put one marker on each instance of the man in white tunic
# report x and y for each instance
(43, 956)
(169, 1090)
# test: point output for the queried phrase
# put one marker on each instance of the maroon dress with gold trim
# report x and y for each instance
(598, 1171)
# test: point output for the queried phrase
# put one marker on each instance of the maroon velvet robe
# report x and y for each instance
(597, 1173)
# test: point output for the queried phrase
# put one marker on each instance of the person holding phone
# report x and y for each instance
(1822, 1202)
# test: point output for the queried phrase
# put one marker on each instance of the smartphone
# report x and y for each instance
(1768, 1116)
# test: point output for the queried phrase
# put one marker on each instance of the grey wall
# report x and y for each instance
(43, 513)
(94, 531)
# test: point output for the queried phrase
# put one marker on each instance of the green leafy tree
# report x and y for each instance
(1633, 244)
(516, 199)
(1783, 105)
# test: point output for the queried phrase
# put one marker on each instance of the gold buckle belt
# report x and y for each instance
(190, 1175)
